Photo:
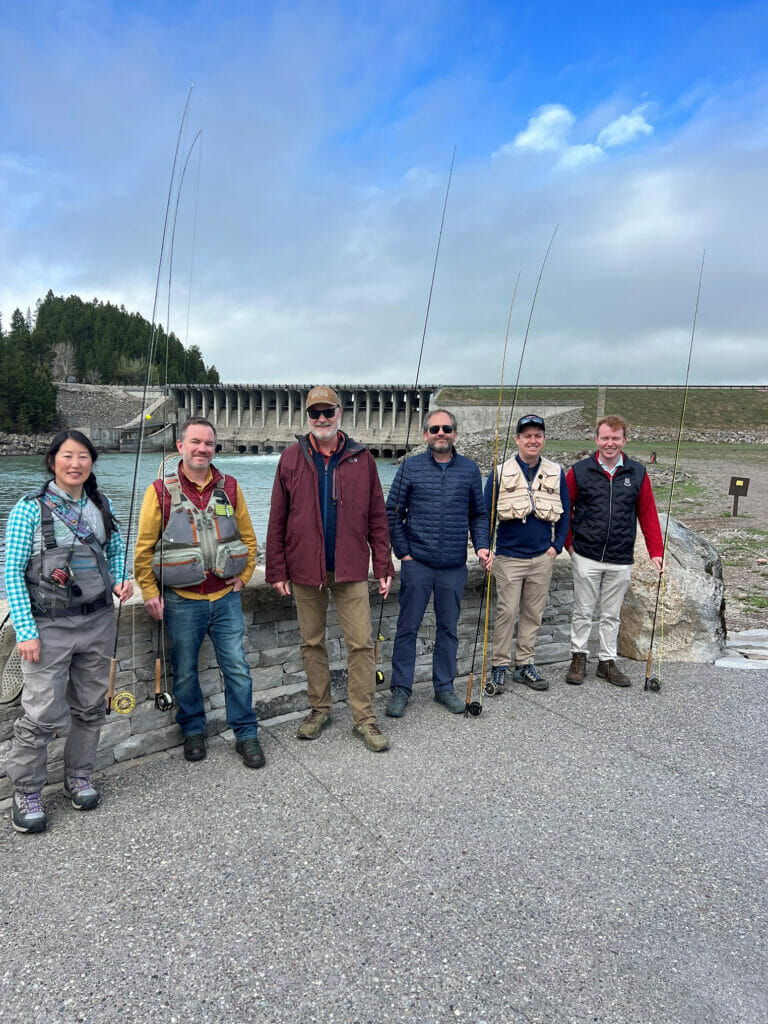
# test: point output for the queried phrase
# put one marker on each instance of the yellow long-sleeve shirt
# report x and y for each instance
(151, 526)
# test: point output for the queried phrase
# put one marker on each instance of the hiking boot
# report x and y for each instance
(529, 675)
(397, 702)
(251, 752)
(81, 792)
(313, 725)
(194, 747)
(577, 669)
(497, 681)
(608, 670)
(449, 700)
(28, 812)
(372, 736)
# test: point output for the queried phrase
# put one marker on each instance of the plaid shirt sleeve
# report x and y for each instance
(115, 552)
(19, 534)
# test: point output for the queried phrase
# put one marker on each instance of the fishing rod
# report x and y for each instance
(380, 638)
(125, 701)
(475, 707)
(653, 683)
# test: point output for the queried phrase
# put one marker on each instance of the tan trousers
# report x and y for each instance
(521, 584)
(354, 611)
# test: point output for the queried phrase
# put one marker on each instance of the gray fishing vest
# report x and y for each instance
(89, 583)
(196, 541)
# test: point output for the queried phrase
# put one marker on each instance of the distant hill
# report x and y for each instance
(85, 342)
(706, 408)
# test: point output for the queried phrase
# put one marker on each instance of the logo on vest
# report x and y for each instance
(627, 482)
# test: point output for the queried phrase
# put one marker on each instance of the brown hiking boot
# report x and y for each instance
(313, 725)
(578, 669)
(372, 736)
(608, 670)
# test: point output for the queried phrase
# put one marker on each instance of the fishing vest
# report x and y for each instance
(517, 498)
(67, 579)
(198, 541)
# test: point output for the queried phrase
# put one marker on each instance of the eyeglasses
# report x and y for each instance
(315, 414)
(437, 428)
(528, 421)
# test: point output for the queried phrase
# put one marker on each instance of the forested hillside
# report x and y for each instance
(91, 342)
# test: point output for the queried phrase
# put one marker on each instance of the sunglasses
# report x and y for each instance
(436, 429)
(531, 421)
(315, 414)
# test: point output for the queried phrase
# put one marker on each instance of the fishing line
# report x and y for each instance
(653, 683)
(379, 636)
(125, 701)
(475, 707)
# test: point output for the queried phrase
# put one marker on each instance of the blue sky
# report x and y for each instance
(316, 189)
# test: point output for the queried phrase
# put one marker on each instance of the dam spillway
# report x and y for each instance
(265, 418)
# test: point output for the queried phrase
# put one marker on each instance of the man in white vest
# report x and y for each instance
(530, 503)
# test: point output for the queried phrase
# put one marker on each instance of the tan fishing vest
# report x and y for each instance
(517, 499)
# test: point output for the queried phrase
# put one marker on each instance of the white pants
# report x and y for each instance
(592, 581)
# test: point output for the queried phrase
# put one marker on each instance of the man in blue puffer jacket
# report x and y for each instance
(435, 499)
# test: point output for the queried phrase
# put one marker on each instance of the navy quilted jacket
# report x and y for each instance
(431, 509)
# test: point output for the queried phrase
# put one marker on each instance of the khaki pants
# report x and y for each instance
(354, 611)
(593, 581)
(521, 583)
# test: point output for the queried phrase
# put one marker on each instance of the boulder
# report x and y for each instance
(692, 600)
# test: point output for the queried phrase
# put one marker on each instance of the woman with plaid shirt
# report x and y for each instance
(64, 558)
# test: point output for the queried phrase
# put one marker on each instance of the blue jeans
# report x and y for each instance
(419, 582)
(188, 621)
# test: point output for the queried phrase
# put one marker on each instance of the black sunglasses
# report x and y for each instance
(315, 414)
(440, 427)
(535, 421)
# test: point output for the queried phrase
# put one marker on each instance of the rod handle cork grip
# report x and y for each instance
(157, 675)
(470, 683)
(111, 687)
(648, 664)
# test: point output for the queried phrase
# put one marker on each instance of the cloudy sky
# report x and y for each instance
(309, 213)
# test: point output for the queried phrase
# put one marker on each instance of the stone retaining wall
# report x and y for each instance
(272, 649)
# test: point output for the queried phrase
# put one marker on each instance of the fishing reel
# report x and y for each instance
(653, 684)
(63, 578)
(474, 708)
(163, 701)
(379, 677)
(123, 702)
(490, 689)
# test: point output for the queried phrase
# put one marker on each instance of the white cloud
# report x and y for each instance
(624, 129)
(547, 130)
(579, 156)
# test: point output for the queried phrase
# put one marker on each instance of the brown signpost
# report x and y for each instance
(739, 487)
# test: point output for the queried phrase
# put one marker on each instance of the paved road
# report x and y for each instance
(582, 855)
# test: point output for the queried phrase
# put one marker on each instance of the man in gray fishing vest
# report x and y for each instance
(195, 551)
(529, 499)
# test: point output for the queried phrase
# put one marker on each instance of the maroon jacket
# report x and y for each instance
(295, 545)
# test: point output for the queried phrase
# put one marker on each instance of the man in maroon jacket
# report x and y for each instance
(326, 519)
(610, 494)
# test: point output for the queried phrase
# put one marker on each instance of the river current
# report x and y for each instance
(114, 473)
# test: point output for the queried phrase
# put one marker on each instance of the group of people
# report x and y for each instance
(196, 549)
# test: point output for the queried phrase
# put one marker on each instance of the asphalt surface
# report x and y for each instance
(588, 854)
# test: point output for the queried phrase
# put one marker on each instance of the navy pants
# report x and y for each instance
(419, 582)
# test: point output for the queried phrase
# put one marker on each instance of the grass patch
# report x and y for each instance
(754, 602)
(742, 551)
(742, 408)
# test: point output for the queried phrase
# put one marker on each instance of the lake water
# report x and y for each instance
(114, 472)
